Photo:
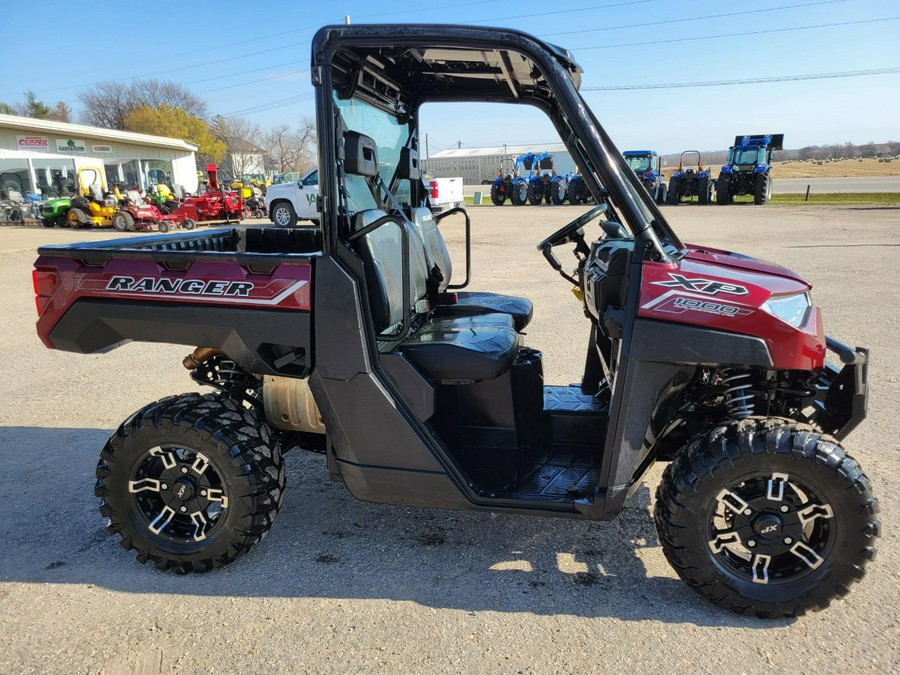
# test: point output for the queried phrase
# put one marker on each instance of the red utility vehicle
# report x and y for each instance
(356, 338)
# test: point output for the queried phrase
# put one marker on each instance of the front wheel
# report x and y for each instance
(519, 193)
(122, 221)
(704, 190)
(673, 196)
(498, 196)
(283, 215)
(573, 194)
(723, 190)
(767, 517)
(191, 482)
(558, 192)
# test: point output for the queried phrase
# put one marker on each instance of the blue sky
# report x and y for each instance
(241, 56)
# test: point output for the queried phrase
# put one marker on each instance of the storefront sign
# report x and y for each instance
(101, 149)
(70, 145)
(33, 142)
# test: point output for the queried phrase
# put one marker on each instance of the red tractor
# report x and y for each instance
(216, 204)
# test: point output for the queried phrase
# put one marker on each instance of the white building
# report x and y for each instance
(42, 156)
(480, 165)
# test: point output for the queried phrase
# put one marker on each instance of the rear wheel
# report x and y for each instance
(163, 226)
(498, 196)
(122, 221)
(534, 194)
(189, 223)
(704, 190)
(672, 196)
(723, 190)
(191, 482)
(573, 193)
(283, 215)
(519, 193)
(767, 517)
(558, 191)
(762, 189)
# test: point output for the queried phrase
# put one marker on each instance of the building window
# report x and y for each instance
(156, 171)
(122, 172)
(14, 177)
(55, 177)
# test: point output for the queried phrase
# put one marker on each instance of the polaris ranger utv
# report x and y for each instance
(748, 169)
(360, 338)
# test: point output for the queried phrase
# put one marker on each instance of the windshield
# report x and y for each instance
(748, 156)
(389, 135)
(639, 163)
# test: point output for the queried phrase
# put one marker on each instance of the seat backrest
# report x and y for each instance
(96, 191)
(435, 247)
(382, 254)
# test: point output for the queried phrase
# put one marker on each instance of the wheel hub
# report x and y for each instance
(184, 490)
(768, 526)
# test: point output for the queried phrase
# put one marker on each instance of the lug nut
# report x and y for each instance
(165, 487)
(183, 509)
(785, 508)
(751, 543)
(184, 469)
(788, 541)
(202, 493)
(748, 512)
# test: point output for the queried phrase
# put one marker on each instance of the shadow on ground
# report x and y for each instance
(326, 544)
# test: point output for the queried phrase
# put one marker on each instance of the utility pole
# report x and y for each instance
(426, 146)
(458, 145)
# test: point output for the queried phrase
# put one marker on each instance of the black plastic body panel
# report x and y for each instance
(254, 338)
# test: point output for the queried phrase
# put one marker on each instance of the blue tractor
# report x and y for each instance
(688, 182)
(518, 193)
(748, 170)
(645, 164)
(509, 184)
(538, 178)
(576, 189)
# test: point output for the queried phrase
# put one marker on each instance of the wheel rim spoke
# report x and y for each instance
(723, 539)
(145, 484)
(807, 555)
(168, 457)
(217, 496)
(814, 511)
(760, 567)
(732, 501)
(164, 518)
(201, 463)
(775, 487)
(200, 525)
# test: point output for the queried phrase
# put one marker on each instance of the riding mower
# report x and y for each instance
(137, 214)
(690, 182)
(93, 205)
(214, 204)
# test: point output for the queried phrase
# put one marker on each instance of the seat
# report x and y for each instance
(463, 349)
(467, 302)
(449, 349)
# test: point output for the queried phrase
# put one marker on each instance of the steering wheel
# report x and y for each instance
(564, 234)
(570, 233)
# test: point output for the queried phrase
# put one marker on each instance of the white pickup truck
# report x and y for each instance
(288, 203)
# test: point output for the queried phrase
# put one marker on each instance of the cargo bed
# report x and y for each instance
(247, 291)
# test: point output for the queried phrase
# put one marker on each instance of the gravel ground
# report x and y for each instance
(344, 586)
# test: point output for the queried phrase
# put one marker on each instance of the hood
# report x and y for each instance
(739, 261)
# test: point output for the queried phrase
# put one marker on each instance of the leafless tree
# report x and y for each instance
(292, 149)
(244, 140)
(107, 104)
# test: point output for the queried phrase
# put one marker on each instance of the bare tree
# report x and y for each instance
(243, 139)
(108, 104)
(292, 149)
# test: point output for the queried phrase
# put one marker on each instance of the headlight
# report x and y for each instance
(791, 309)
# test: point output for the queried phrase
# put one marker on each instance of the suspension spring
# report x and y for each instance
(739, 398)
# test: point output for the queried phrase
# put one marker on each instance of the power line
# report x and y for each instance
(694, 18)
(272, 105)
(728, 35)
(749, 80)
(566, 11)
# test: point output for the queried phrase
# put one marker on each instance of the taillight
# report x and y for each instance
(434, 189)
(45, 283)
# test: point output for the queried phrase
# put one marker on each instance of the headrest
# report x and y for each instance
(360, 154)
(408, 166)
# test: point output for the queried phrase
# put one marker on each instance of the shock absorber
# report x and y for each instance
(738, 393)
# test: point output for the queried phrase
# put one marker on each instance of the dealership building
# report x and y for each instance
(43, 157)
